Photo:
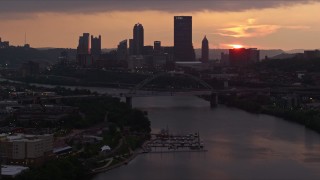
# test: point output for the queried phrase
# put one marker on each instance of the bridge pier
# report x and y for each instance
(129, 101)
(213, 100)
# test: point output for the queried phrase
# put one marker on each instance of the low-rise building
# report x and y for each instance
(25, 149)
(9, 171)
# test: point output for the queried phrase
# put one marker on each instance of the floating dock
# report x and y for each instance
(164, 142)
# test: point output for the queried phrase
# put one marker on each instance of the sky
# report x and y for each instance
(264, 24)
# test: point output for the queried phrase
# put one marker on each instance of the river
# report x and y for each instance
(240, 145)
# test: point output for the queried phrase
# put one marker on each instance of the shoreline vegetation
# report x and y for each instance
(121, 127)
(309, 118)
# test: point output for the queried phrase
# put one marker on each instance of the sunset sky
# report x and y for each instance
(265, 24)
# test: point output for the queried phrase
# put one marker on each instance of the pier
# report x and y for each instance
(164, 142)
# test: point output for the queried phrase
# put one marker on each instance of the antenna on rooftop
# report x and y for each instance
(25, 37)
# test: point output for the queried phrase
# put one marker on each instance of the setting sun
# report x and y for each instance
(236, 46)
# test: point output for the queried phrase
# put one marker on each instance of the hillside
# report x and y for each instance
(15, 56)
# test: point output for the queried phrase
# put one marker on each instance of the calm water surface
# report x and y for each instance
(240, 145)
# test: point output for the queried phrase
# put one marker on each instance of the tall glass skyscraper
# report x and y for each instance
(138, 39)
(183, 48)
(96, 47)
(205, 50)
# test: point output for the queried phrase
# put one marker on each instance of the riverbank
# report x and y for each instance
(107, 119)
(117, 165)
(308, 118)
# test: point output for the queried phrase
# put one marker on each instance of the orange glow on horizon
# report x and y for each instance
(236, 46)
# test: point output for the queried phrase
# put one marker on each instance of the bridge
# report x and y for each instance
(140, 89)
(146, 88)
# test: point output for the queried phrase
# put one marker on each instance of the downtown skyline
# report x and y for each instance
(264, 24)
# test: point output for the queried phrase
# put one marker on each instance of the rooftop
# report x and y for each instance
(12, 171)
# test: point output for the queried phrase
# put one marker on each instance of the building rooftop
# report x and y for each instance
(24, 137)
(61, 149)
(12, 171)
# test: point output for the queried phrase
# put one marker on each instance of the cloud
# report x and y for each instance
(253, 30)
(96, 6)
(251, 21)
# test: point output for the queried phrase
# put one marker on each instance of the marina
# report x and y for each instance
(165, 142)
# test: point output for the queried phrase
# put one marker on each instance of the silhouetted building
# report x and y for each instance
(242, 56)
(130, 46)
(169, 53)
(183, 48)
(138, 39)
(136, 62)
(64, 58)
(26, 46)
(4, 44)
(83, 50)
(26, 149)
(95, 47)
(122, 51)
(29, 68)
(311, 54)
(147, 50)
(157, 47)
(159, 61)
(84, 44)
(225, 59)
(205, 50)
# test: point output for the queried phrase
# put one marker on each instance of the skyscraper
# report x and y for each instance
(83, 46)
(130, 47)
(95, 47)
(183, 48)
(83, 50)
(205, 50)
(138, 39)
(122, 51)
(157, 47)
(242, 56)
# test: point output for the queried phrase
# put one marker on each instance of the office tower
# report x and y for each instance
(242, 56)
(84, 44)
(147, 50)
(205, 50)
(122, 51)
(183, 48)
(96, 47)
(83, 50)
(138, 39)
(157, 47)
(130, 46)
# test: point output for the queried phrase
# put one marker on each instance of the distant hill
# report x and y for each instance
(294, 51)
(216, 53)
(15, 56)
(283, 56)
(270, 53)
